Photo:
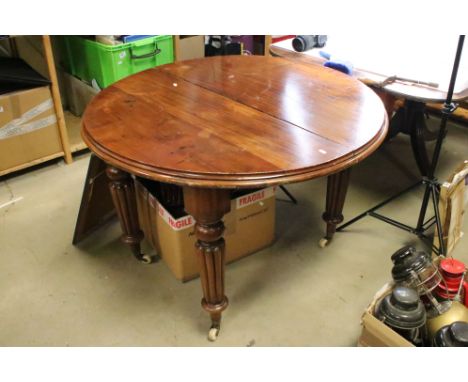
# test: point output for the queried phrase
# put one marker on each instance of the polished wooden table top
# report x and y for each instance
(235, 121)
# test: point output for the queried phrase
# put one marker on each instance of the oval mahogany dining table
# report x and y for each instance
(216, 124)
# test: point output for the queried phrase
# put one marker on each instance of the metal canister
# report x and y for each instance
(404, 312)
(445, 314)
(415, 269)
(453, 335)
(453, 285)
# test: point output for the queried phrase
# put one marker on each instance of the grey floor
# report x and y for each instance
(291, 294)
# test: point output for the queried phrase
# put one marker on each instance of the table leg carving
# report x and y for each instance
(122, 190)
(337, 186)
(208, 206)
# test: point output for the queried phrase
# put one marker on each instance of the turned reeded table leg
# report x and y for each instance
(337, 186)
(122, 190)
(208, 206)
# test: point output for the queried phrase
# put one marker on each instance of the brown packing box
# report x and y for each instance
(374, 332)
(28, 127)
(191, 47)
(78, 94)
(250, 226)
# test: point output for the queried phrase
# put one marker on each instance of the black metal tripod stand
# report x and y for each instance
(431, 183)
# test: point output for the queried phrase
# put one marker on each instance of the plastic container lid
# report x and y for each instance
(452, 267)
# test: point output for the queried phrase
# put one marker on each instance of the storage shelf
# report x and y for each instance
(32, 163)
(47, 67)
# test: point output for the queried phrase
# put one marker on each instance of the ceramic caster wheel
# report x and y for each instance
(213, 333)
(323, 242)
(147, 259)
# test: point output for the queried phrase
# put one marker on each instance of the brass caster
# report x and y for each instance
(213, 333)
(323, 242)
(146, 259)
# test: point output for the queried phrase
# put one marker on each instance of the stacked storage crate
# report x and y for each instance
(105, 64)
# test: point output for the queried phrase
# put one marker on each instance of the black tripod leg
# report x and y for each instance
(423, 210)
(430, 187)
(440, 233)
(371, 210)
(290, 196)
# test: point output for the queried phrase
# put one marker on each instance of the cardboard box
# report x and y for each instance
(78, 94)
(250, 226)
(28, 127)
(191, 47)
(374, 332)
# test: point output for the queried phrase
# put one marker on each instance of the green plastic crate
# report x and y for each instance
(88, 60)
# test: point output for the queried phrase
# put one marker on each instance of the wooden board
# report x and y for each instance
(96, 206)
(452, 206)
(461, 113)
(374, 332)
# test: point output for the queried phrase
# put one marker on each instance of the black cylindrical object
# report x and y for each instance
(404, 312)
(406, 260)
(415, 269)
(303, 43)
(455, 335)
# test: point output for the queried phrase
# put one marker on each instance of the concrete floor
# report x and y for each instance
(291, 294)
